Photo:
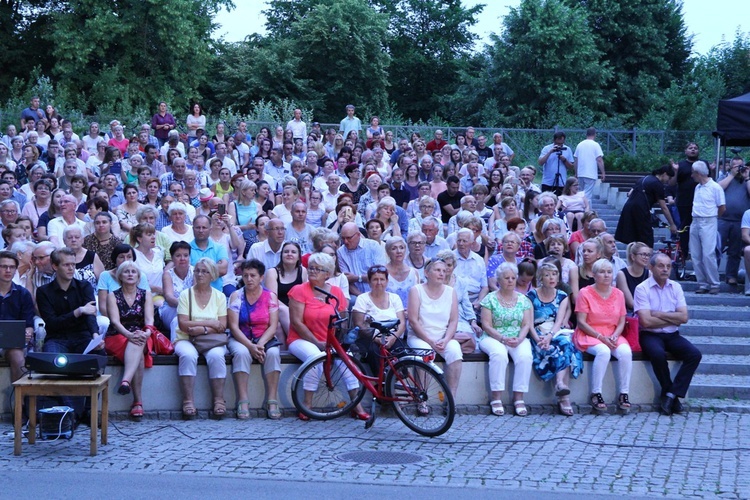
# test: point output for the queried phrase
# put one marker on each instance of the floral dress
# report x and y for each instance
(131, 317)
(561, 353)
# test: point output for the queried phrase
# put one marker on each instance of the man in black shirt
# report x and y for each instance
(450, 199)
(685, 192)
(15, 304)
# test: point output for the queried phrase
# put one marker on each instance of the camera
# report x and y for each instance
(559, 148)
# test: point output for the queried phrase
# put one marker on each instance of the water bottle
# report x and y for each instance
(41, 333)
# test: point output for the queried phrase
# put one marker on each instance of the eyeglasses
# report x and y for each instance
(347, 238)
(8, 267)
(644, 254)
(417, 243)
(201, 271)
(316, 270)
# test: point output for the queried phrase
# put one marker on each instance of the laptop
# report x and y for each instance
(12, 334)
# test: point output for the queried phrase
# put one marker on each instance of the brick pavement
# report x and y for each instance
(703, 454)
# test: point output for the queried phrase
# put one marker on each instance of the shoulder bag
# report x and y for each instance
(204, 343)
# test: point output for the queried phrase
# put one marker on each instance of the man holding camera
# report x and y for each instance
(555, 159)
(737, 193)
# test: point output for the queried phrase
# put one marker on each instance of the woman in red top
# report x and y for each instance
(601, 318)
(309, 314)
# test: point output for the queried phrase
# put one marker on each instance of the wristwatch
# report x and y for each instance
(359, 279)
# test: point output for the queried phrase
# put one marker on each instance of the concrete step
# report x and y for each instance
(724, 364)
(692, 286)
(721, 386)
(719, 312)
(722, 300)
(716, 328)
(711, 345)
(717, 404)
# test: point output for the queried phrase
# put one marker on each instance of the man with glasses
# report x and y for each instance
(16, 303)
(356, 255)
(55, 228)
(203, 246)
(471, 266)
(269, 251)
(9, 210)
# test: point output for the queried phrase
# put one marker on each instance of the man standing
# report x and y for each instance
(269, 251)
(555, 158)
(32, 112)
(483, 152)
(588, 159)
(685, 192)
(736, 187)
(709, 203)
(16, 303)
(497, 140)
(203, 246)
(437, 143)
(350, 123)
(356, 255)
(661, 308)
(297, 126)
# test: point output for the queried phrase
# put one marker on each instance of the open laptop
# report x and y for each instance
(12, 334)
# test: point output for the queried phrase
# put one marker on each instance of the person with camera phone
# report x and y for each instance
(737, 193)
(556, 159)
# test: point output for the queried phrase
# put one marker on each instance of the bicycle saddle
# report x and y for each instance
(385, 326)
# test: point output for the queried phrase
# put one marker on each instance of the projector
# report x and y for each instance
(72, 365)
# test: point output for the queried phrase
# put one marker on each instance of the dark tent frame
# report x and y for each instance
(732, 124)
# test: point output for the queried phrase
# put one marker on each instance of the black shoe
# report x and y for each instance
(666, 405)
(677, 406)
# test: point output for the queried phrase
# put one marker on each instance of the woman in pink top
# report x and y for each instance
(600, 309)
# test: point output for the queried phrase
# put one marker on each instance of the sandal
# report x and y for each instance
(303, 417)
(273, 413)
(565, 408)
(422, 409)
(623, 403)
(188, 410)
(562, 390)
(597, 402)
(136, 410)
(496, 407)
(520, 407)
(220, 408)
(124, 388)
(243, 414)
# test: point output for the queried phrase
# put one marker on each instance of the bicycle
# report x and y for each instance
(673, 250)
(408, 379)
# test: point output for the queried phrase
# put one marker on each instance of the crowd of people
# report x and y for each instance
(198, 236)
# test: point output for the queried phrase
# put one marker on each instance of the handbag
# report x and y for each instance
(204, 343)
(161, 344)
(631, 333)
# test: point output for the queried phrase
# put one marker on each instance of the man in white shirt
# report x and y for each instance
(709, 204)
(588, 158)
(297, 126)
(350, 123)
(269, 251)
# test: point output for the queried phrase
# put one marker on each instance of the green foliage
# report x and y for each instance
(133, 52)
(545, 66)
(732, 61)
(431, 40)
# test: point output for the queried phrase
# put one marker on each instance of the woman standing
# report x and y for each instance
(433, 309)
(309, 314)
(162, 122)
(202, 310)
(253, 315)
(195, 120)
(507, 319)
(601, 318)
(555, 356)
(131, 312)
(634, 223)
(287, 274)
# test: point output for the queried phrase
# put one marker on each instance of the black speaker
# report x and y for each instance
(73, 365)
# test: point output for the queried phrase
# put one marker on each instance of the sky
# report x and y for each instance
(707, 21)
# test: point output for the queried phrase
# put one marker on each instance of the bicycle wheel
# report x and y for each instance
(324, 397)
(423, 401)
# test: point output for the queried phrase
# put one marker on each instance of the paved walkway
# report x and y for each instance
(702, 454)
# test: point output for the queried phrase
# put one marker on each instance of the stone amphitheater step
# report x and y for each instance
(719, 405)
(712, 345)
(716, 328)
(720, 312)
(720, 386)
(724, 364)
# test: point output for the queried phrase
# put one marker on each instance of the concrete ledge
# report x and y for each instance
(161, 392)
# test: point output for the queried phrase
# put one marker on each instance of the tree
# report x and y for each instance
(644, 43)
(733, 61)
(545, 69)
(430, 43)
(132, 52)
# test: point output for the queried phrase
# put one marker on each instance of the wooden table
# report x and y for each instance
(42, 385)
